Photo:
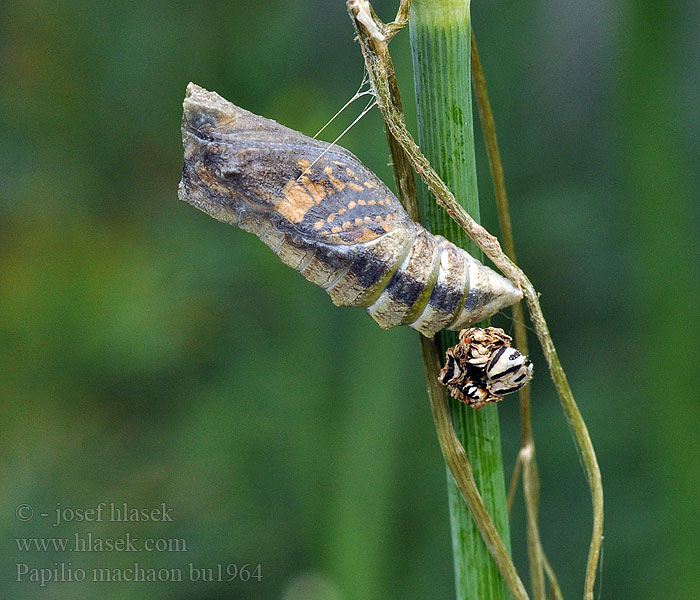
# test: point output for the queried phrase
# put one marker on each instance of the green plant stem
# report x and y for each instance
(440, 34)
(463, 477)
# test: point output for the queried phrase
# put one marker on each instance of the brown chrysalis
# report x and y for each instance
(330, 218)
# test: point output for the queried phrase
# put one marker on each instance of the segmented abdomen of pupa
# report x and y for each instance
(330, 218)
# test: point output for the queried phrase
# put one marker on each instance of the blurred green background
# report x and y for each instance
(149, 354)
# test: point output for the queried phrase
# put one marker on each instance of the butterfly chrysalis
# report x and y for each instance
(326, 215)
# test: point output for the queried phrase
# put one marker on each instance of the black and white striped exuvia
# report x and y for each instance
(483, 367)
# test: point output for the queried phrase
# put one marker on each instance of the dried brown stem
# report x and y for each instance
(513, 485)
(526, 462)
(378, 64)
(374, 47)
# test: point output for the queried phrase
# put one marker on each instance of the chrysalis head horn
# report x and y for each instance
(204, 110)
